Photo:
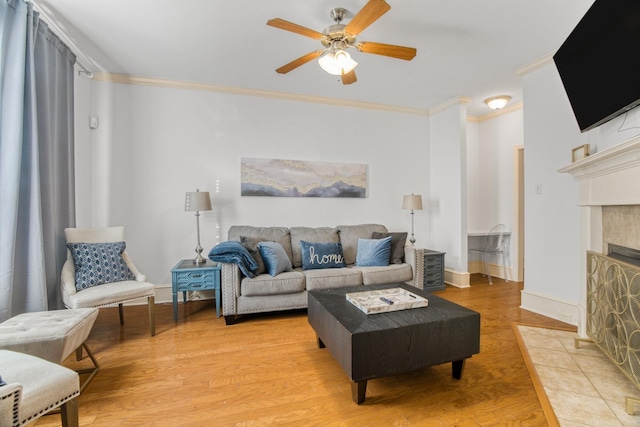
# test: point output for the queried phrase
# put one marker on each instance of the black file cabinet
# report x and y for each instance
(433, 270)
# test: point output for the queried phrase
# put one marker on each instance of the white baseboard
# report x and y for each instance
(458, 279)
(496, 270)
(554, 308)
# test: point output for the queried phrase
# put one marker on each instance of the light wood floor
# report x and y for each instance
(267, 370)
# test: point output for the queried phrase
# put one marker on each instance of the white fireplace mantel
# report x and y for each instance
(610, 177)
(607, 178)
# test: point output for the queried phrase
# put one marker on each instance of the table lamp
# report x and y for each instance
(198, 201)
(412, 202)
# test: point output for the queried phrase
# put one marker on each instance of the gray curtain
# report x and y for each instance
(37, 199)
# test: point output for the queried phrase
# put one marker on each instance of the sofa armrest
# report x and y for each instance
(415, 258)
(230, 277)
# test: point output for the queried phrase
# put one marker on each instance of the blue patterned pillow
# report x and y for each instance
(321, 255)
(373, 252)
(98, 263)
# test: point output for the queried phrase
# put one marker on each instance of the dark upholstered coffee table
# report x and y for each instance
(377, 345)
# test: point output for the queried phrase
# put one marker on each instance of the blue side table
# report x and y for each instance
(187, 276)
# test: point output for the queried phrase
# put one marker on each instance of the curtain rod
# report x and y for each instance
(85, 64)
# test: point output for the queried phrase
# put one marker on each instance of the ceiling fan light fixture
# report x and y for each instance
(337, 62)
(497, 102)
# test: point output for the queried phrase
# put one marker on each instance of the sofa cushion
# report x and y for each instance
(398, 242)
(374, 252)
(332, 278)
(309, 234)
(316, 255)
(284, 283)
(272, 234)
(275, 258)
(349, 235)
(391, 274)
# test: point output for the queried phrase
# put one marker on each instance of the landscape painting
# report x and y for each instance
(296, 178)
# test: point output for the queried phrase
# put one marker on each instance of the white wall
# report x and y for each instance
(82, 147)
(552, 219)
(448, 201)
(154, 144)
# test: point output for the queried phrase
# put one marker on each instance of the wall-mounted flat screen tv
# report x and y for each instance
(598, 63)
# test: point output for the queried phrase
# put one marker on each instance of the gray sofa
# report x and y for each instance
(288, 290)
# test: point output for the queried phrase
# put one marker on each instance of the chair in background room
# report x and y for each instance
(99, 272)
(495, 245)
(30, 387)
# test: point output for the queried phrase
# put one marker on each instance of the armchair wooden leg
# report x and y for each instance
(92, 371)
(69, 413)
(121, 314)
(152, 317)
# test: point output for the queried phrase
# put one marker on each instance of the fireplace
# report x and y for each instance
(609, 306)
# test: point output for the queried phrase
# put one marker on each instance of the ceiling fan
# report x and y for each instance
(338, 37)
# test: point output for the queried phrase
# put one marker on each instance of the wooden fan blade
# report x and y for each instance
(367, 16)
(298, 62)
(294, 28)
(400, 52)
(349, 78)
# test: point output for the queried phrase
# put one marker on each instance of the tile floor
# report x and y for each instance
(584, 387)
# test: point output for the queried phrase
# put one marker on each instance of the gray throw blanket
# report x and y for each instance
(233, 252)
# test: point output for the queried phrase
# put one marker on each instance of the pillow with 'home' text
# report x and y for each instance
(317, 255)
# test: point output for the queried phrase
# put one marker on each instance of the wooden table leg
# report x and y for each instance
(358, 390)
(457, 367)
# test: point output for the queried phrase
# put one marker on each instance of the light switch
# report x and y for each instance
(539, 188)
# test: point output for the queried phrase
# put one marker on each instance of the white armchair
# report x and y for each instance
(106, 293)
(34, 387)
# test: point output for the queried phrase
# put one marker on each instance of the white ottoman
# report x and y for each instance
(33, 388)
(51, 335)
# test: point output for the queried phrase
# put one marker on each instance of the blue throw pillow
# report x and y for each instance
(275, 258)
(373, 252)
(98, 263)
(321, 255)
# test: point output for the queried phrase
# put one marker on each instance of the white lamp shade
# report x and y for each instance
(412, 201)
(197, 201)
(337, 63)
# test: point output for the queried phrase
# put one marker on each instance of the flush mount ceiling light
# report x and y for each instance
(497, 102)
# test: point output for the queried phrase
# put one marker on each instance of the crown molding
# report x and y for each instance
(458, 100)
(506, 110)
(535, 64)
(178, 84)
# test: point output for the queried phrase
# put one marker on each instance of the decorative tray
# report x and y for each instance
(385, 300)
